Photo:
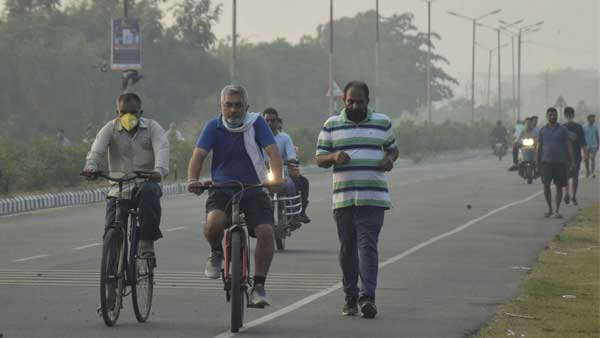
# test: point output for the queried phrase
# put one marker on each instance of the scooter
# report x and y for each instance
(527, 159)
(499, 150)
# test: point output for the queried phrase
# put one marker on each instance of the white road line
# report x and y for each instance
(87, 246)
(335, 287)
(174, 229)
(30, 258)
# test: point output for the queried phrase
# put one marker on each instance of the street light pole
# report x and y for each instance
(489, 82)
(331, 98)
(377, 79)
(499, 77)
(519, 75)
(473, 75)
(233, 74)
(429, 60)
(474, 19)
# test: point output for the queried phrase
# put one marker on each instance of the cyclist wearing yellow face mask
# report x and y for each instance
(133, 143)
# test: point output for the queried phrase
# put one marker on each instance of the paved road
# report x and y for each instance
(444, 267)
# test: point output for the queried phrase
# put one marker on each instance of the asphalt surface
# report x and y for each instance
(460, 238)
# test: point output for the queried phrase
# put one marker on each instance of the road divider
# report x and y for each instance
(20, 204)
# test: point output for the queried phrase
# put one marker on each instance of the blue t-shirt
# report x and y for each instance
(286, 148)
(590, 132)
(554, 144)
(230, 161)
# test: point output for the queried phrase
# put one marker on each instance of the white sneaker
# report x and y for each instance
(213, 265)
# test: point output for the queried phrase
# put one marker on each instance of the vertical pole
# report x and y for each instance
(519, 77)
(331, 111)
(547, 87)
(125, 8)
(514, 93)
(473, 76)
(233, 74)
(377, 79)
(489, 82)
(429, 60)
(499, 78)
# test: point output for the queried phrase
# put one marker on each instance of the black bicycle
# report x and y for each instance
(121, 264)
(236, 248)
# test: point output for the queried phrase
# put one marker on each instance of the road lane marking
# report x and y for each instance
(174, 229)
(87, 246)
(30, 258)
(168, 280)
(335, 287)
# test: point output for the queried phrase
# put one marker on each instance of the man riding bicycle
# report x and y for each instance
(133, 143)
(237, 138)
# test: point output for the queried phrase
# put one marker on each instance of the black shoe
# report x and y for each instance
(295, 223)
(303, 218)
(567, 199)
(367, 307)
(513, 168)
(574, 200)
(350, 308)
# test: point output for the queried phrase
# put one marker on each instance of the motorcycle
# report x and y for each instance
(285, 208)
(499, 150)
(527, 160)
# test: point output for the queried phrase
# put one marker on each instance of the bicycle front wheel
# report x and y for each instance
(111, 277)
(237, 298)
(141, 293)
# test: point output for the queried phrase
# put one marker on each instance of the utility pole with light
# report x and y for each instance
(474, 20)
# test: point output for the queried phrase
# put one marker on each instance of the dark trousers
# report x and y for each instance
(515, 153)
(358, 231)
(302, 185)
(147, 202)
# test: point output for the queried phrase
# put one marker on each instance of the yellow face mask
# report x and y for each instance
(128, 121)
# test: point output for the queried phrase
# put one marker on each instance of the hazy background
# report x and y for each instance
(569, 37)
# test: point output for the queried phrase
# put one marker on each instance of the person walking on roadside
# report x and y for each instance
(592, 141)
(578, 144)
(360, 145)
(554, 152)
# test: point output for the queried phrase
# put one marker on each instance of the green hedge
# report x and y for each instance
(41, 164)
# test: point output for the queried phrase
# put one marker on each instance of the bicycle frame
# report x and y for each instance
(237, 225)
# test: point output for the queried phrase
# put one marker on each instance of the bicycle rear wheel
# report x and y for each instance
(141, 292)
(111, 277)
(237, 297)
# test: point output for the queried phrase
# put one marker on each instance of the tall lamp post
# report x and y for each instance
(505, 28)
(377, 51)
(331, 97)
(429, 60)
(233, 75)
(474, 20)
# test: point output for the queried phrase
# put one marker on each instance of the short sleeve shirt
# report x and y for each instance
(577, 138)
(590, 132)
(230, 161)
(554, 144)
(361, 182)
(286, 148)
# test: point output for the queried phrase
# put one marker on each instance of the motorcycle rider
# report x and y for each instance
(499, 135)
(519, 126)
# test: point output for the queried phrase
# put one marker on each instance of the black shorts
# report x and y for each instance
(574, 171)
(554, 172)
(256, 206)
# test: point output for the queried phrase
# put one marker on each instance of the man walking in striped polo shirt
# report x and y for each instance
(360, 145)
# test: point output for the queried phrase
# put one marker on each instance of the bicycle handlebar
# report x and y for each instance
(136, 174)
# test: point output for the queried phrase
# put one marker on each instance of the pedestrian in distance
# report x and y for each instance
(554, 153)
(360, 146)
(577, 138)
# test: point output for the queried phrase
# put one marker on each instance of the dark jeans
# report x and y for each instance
(147, 201)
(358, 231)
(302, 185)
(515, 153)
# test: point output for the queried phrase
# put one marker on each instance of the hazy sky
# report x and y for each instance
(569, 37)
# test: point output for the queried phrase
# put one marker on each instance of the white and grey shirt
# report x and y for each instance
(147, 150)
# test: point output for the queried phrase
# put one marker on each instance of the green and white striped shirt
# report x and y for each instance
(361, 182)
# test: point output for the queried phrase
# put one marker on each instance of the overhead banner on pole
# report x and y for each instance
(126, 44)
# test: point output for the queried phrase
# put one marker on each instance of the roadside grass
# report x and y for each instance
(570, 266)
